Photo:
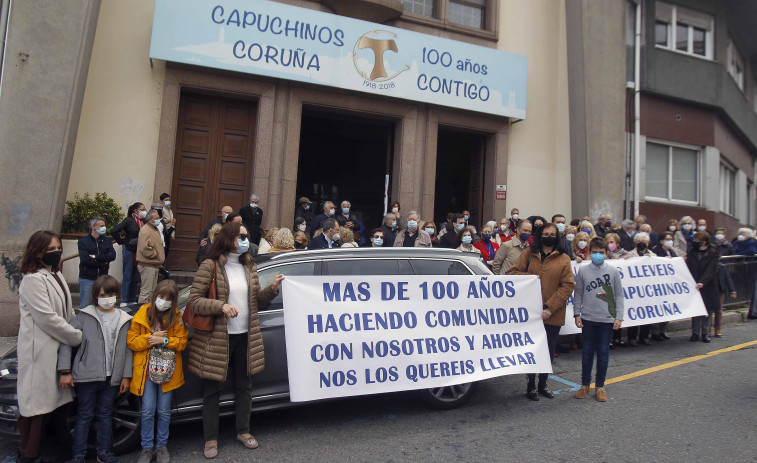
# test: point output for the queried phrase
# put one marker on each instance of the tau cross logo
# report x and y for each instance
(379, 42)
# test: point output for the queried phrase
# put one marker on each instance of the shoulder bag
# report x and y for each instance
(202, 322)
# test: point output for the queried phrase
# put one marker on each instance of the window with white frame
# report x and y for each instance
(727, 189)
(683, 30)
(735, 65)
(672, 173)
(420, 7)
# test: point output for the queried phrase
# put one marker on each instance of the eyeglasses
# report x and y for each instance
(243, 236)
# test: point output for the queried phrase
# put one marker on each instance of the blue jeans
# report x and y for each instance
(597, 338)
(96, 401)
(85, 292)
(152, 399)
(130, 277)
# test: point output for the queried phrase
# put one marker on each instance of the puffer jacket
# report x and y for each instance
(209, 350)
(557, 280)
(137, 341)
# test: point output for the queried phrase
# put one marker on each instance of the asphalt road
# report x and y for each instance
(701, 411)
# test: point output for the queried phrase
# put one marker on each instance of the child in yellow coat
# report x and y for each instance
(156, 324)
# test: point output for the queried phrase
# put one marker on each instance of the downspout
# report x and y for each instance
(4, 15)
(636, 109)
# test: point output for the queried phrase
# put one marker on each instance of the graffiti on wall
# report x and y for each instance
(131, 189)
(19, 215)
(12, 273)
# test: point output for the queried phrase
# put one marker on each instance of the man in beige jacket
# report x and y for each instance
(150, 255)
(509, 251)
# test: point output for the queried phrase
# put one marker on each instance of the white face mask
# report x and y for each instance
(331, 211)
(701, 228)
(142, 214)
(687, 226)
(582, 244)
(162, 304)
(335, 237)
(741, 238)
(672, 228)
(515, 216)
(253, 205)
(668, 244)
(395, 209)
(106, 303)
(570, 237)
(302, 227)
(166, 203)
(720, 237)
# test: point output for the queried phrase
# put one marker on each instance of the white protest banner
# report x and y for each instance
(655, 289)
(357, 335)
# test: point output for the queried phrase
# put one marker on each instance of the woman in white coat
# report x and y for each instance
(45, 306)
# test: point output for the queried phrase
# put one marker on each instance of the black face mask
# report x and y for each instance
(549, 241)
(641, 247)
(297, 245)
(52, 258)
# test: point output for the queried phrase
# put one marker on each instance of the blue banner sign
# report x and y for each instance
(286, 42)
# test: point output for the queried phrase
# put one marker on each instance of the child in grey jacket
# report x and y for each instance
(598, 308)
(101, 367)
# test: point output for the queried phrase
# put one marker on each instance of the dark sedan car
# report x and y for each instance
(271, 387)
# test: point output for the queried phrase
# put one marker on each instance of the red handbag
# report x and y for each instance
(202, 322)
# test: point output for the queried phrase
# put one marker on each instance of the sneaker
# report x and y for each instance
(106, 457)
(248, 441)
(162, 455)
(211, 449)
(601, 395)
(145, 456)
(583, 392)
(718, 334)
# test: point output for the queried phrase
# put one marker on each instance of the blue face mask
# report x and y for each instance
(587, 230)
(243, 246)
(378, 242)
(598, 258)
(487, 236)
(459, 226)
(345, 210)
(430, 230)
(608, 224)
(156, 222)
(560, 227)
(101, 231)
(467, 240)
(394, 224)
(306, 207)
(167, 203)
(524, 236)
(466, 217)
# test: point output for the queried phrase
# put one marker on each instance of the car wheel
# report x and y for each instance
(448, 397)
(127, 418)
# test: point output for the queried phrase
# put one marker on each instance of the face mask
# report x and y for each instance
(253, 205)
(394, 224)
(395, 209)
(582, 244)
(162, 304)
(243, 246)
(142, 214)
(740, 238)
(166, 203)
(672, 228)
(570, 237)
(412, 224)
(302, 227)
(106, 303)
(641, 247)
(549, 241)
(612, 247)
(720, 237)
(156, 222)
(701, 228)
(560, 227)
(598, 258)
(297, 245)
(503, 228)
(587, 230)
(467, 239)
(101, 231)
(335, 237)
(687, 227)
(668, 244)
(429, 230)
(632, 233)
(465, 217)
(608, 224)
(515, 216)
(459, 226)
(487, 236)
(524, 237)
(306, 207)
(224, 217)
(331, 211)
(345, 210)
(378, 242)
(52, 258)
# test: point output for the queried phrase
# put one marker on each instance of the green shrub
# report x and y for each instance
(83, 208)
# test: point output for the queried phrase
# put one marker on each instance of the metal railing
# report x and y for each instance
(743, 271)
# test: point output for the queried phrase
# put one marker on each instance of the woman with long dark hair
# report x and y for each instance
(547, 258)
(45, 306)
(235, 341)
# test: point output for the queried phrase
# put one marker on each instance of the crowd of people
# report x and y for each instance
(102, 351)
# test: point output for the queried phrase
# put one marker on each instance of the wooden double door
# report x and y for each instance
(212, 167)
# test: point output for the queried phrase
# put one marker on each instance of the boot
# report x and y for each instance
(583, 392)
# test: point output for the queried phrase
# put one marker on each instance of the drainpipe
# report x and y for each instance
(4, 15)
(636, 110)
